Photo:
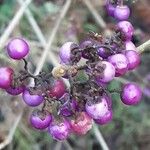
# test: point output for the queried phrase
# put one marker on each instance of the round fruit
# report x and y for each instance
(59, 130)
(6, 76)
(32, 100)
(120, 62)
(129, 45)
(126, 29)
(131, 94)
(57, 88)
(17, 48)
(110, 9)
(40, 119)
(133, 59)
(122, 12)
(105, 72)
(82, 124)
(105, 119)
(99, 109)
(65, 52)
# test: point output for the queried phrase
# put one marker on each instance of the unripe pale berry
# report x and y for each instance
(82, 124)
(6, 76)
(131, 94)
(17, 48)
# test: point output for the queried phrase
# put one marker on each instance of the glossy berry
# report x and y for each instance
(129, 45)
(59, 130)
(133, 59)
(65, 52)
(126, 29)
(32, 100)
(120, 62)
(57, 88)
(82, 124)
(40, 119)
(106, 72)
(105, 119)
(6, 76)
(122, 12)
(131, 94)
(98, 109)
(15, 90)
(17, 48)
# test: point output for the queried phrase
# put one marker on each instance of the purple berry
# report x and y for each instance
(129, 45)
(107, 72)
(40, 119)
(6, 76)
(110, 8)
(66, 52)
(126, 29)
(99, 109)
(103, 52)
(120, 62)
(15, 90)
(17, 48)
(59, 130)
(122, 12)
(32, 100)
(131, 94)
(105, 119)
(57, 88)
(133, 59)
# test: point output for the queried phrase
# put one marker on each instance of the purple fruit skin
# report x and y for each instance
(129, 45)
(32, 100)
(131, 94)
(110, 9)
(102, 53)
(133, 59)
(15, 91)
(122, 13)
(40, 120)
(99, 109)
(126, 29)
(59, 130)
(6, 74)
(120, 62)
(105, 119)
(65, 52)
(17, 48)
(108, 73)
(58, 89)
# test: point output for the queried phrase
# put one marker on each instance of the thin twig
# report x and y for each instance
(144, 46)
(68, 146)
(13, 23)
(99, 137)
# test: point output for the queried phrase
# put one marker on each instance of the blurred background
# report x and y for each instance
(47, 24)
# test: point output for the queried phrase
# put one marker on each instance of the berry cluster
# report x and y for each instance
(73, 110)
